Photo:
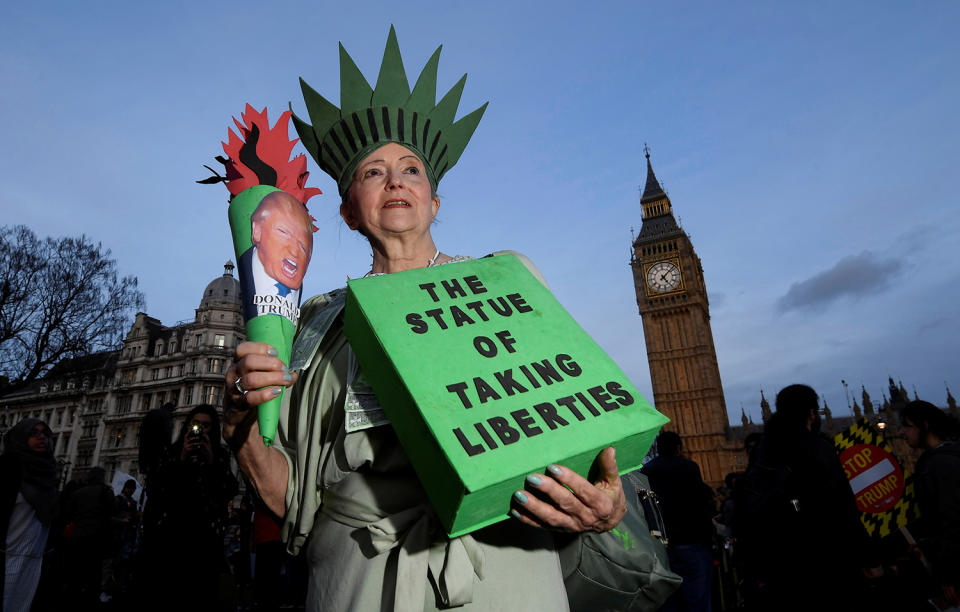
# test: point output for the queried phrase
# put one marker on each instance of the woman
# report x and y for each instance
(28, 485)
(374, 543)
(185, 518)
(937, 479)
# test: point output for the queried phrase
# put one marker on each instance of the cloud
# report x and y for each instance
(853, 276)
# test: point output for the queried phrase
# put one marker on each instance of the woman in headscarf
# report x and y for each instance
(374, 543)
(28, 499)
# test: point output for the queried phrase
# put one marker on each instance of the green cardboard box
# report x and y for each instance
(486, 378)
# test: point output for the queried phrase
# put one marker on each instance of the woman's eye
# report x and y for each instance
(371, 172)
(412, 170)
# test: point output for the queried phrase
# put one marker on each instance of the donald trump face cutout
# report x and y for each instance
(282, 231)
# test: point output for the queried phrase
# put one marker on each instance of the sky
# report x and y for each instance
(808, 149)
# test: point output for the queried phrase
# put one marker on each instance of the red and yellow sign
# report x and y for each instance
(883, 489)
(875, 477)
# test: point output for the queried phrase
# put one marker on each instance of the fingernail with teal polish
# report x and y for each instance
(556, 470)
(287, 377)
(534, 480)
(276, 391)
(515, 514)
(272, 352)
(521, 497)
(286, 369)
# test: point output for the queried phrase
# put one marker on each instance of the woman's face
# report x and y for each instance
(390, 195)
(38, 438)
(911, 433)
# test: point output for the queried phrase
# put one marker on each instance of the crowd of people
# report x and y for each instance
(187, 539)
(786, 534)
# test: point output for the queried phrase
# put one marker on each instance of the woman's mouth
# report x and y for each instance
(397, 204)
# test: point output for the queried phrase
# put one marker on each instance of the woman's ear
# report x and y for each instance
(436, 207)
(346, 213)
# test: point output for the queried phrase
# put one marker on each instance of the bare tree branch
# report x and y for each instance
(58, 299)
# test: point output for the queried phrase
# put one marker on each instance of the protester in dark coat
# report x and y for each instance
(687, 506)
(28, 500)
(937, 481)
(797, 524)
(185, 518)
(90, 509)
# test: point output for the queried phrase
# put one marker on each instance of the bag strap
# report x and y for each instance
(649, 504)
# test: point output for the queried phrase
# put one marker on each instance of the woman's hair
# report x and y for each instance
(795, 404)
(785, 432)
(669, 443)
(929, 419)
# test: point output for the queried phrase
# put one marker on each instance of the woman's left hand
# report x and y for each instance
(571, 502)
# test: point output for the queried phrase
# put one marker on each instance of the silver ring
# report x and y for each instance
(239, 386)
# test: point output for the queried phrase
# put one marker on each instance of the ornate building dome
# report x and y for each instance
(224, 288)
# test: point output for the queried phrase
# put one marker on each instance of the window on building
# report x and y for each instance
(175, 397)
(215, 365)
(56, 386)
(159, 348)
(218, 340)
(199, 339)
(211, 394)
(173, 346)
(186, 343)
(145, 402)
(71, 384)
(124, 404)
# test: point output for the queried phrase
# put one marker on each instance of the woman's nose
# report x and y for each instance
(394, 179)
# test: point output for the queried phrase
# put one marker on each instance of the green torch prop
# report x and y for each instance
(272, 235)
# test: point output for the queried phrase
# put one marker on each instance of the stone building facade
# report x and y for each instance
(95, 404)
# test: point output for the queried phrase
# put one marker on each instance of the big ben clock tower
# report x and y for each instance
(673, 304)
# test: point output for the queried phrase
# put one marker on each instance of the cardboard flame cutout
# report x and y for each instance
(272, 233)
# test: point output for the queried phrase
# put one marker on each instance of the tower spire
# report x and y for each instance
(652, 189)
(764, 407)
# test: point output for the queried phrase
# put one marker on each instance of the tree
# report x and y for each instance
(59, 298)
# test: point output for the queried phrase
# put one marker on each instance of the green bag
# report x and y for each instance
(626, 568)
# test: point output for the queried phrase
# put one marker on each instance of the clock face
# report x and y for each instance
(663, 276)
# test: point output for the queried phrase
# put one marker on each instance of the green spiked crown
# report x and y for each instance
(369, 118)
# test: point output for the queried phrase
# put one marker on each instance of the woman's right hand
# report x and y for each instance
(262, 376)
